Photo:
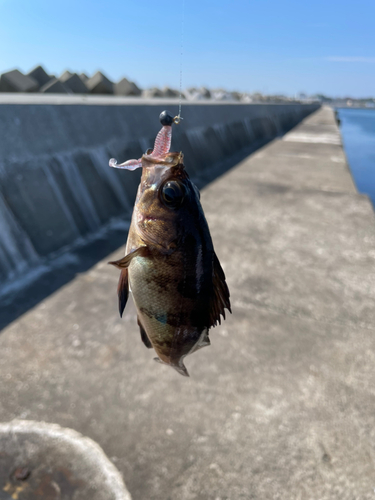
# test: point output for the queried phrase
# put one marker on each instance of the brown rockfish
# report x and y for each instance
(170, 266)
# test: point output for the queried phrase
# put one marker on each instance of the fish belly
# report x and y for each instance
(163, 311)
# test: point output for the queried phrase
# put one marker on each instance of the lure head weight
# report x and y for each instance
(166, 118)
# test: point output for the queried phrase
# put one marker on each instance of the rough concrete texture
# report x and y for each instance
(168, 92)
(54, 86)
(39, 74)
(15, 81)
(73, 82)
(151, 93)
(281, 406)
(99, 84)
(83, 77)
(40, 460)
(125, 87)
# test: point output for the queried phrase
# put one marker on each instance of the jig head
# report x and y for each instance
(162, 143)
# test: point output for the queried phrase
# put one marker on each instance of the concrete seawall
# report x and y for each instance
(281, 406)
(55, 184)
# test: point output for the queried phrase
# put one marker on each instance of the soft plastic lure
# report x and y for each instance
(161, 147)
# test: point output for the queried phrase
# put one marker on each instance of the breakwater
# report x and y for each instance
(281, 404)
(55, 184)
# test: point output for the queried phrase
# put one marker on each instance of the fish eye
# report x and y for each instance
(173, 194)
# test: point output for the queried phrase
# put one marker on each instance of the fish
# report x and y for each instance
(178, 285)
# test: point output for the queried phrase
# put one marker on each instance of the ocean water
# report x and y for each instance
(358, 134)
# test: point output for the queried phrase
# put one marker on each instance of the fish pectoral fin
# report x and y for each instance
(220, 296)
(123, 284)
(123, 290)
(125, 261)
(144, 335)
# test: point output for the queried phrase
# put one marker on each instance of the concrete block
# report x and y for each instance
(193, 95)
(168, 92)
(99, 84)
(15, 81)
(125, 87)
(222, 95)
(236, 95)
(64, 76)
(153, 92)
(54, 86)
(205, 92)
(40, 75)
(73, 82)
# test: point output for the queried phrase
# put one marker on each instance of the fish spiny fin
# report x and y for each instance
(122, 290)
(220, 295)
(125, 261)
(144, 335)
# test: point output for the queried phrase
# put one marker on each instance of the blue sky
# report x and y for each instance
(270, 46)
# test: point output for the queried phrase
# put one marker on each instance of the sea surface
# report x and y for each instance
(358, 133)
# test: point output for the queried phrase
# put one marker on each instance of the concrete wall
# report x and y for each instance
(55, 183)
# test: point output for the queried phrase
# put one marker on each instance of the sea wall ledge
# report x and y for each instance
(55, 184)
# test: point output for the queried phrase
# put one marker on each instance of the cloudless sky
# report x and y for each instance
(272, 46)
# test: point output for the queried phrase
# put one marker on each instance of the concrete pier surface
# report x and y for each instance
(281, 406)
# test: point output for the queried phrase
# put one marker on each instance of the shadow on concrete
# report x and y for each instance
(86, 256)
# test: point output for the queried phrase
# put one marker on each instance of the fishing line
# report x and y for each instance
(178, 117)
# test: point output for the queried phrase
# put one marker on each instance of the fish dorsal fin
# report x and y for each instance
(220, 294)
(123, 290)
(144, 335)
(125, 261)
